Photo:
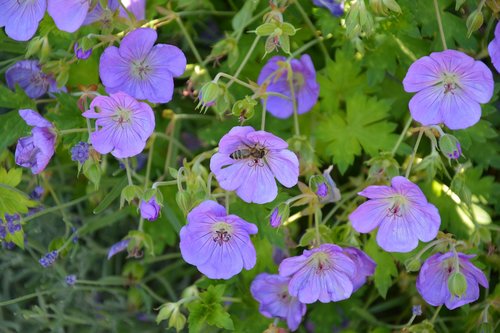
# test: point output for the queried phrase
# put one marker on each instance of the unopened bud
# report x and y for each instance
(413, 265)
(34, 46)
(279, 215)
(450, 146)
(244, 108)
(457, 284)
(208, 95)
(474, 21)
(183, 201)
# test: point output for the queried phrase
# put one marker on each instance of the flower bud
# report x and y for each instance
(81, 53)
(485, 327)
(474, 21)
(413, 264)
(183, 199)
(166, 311)
(177, 320)
(208, 95)
(34, 46)
(383, 167)
(279, 215)
(457, 284)
(450, 146)
(416, 310)
(150, 209)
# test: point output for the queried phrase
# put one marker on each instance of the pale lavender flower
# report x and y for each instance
(80, 152)
(21, 18)
(416, 310)
(271, 291)
(365, 266)
(494, 48)
(102, 15)
(275, 218)
(150, 209)
(217, 244)
(49, 259)
(36, 150)
(401, 212)
(450, 87)
(432, 281)
(306, 88)
(37, 193)
(118, 247)
(324, 273)
(68, 15)
(123, 124)
(80, 53)
(249, 160)
(136, 7)
(336, 7)
(70, 280)
(29, 76)
(140, 68)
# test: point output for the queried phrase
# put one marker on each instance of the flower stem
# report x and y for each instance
(58, 207)
(166, 183)
(264, 111)
(305, 47)
(129, 171)
(170, 148)
(436, 314)
(317, 222)
(189, 40)
(245, 60)
(25, 297)
(313, 29)
(401, 136)
(412, 158)
(440, 25)
(150, 162)
(234, 79)
(72, 130)
(294, 103)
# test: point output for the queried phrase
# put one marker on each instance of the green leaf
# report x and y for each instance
(209, 310)
(12, 127)
(363, 127)
(386, 269)
(15, 99)
(17, 238)
(242, 18)
(12, 200)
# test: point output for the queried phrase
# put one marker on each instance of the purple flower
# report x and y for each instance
(150, 209)
(70, 280)
(36, 150)
(365, 266)
(136, 7)
(432, 281)
(80, 53)
(21, 18)
(37, 193)
(68, 15)
(324, 273)
(49, 259)
(140, 69)
(322, 190)
(275, 218)
(118, 247)
(401, 212)
(103, 15)
(450, 86)
(123, 124)
(336, 7)
(494, 48)
(29, 76)
(305, 87)
(9, 245)
(3, 230)
(217, 244)
(271, 291)
(249, 160)
(416, 310)
(80, 152)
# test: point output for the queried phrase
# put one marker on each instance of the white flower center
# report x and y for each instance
(398, 206)
(122, 116)
(450, 82)
(321, 262)
(141, 69)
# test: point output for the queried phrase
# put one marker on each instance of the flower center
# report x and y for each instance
(122, 116)
(298, 81)
(321, 262)
(221, 233)
(141, 69)
(398, 206)
(450, 82)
